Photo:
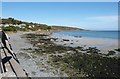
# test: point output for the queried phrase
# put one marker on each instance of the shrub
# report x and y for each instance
(10, 28)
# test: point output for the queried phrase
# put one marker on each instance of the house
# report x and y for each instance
(30, 26)
(33, 25)
(6, 25)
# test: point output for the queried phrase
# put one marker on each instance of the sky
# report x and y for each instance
(86, 15)
(60, 0)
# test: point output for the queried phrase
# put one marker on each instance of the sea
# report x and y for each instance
(92, 34)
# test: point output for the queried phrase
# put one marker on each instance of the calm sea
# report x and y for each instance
(95, 34)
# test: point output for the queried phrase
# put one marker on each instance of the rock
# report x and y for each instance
(71, 43)
(66, 40)
(65, 44)
(51, 39)
(77, 41)
(78, 36)
(38, 43)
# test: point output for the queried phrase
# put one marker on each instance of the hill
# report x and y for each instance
(11, 24)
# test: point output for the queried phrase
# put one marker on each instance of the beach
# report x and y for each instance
(36, 51)
(60, 39)
(28, 63)
(103, 44)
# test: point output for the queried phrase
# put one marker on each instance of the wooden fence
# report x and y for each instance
(9, 64)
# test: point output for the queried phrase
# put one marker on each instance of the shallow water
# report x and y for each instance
(94, 34)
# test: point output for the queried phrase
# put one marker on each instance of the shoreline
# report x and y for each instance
(103, 44)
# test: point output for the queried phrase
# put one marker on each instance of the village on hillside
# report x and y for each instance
(11, 24)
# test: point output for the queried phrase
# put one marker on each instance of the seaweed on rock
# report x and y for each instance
(73, 61)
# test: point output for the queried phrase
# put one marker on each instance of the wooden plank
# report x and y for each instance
(13, 66)
(9, 64)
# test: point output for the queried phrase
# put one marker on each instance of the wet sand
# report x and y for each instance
(103, 44)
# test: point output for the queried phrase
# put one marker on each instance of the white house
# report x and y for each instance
(33, 25)
(6, 25)
(30, 26)
(1, 25)
(23, 24)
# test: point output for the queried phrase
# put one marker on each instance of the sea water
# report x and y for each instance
(93, 34)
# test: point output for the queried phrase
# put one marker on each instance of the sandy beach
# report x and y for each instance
(17, 42)
(29, 64)
(103, 44)
(44, 69)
